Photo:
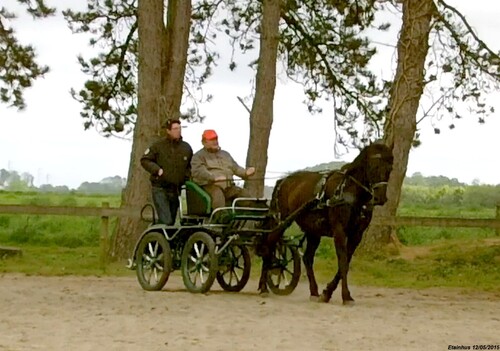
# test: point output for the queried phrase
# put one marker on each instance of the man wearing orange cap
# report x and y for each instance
(214, 168)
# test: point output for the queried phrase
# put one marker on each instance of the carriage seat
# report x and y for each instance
(198, 201)
(199, 204)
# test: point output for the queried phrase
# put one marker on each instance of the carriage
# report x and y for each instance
(213, 245)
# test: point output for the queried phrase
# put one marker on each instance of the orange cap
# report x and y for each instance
(209, 134)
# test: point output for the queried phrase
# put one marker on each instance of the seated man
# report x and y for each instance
(213, 168)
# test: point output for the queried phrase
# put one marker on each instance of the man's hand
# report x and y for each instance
(250, 171)
(160, 172)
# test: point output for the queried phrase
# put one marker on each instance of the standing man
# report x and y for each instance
(169, 162)
(213, 169)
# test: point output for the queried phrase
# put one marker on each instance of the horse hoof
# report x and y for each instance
(348, 302)
(314, 298)
(264, 293)
(323, 298)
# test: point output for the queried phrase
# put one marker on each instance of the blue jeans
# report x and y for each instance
(166, 204)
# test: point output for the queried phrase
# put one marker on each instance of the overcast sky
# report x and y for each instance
(48, 139)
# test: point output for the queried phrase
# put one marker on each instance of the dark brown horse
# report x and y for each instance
(338, 204)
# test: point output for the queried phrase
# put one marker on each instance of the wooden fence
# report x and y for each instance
(105, 212)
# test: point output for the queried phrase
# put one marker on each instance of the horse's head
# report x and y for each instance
(379, 167)
(376, 162)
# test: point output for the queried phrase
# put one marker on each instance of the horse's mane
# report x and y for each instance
(362, 159)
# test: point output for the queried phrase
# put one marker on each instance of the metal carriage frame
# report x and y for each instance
(213, 245)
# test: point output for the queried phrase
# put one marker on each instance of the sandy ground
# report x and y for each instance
(75, 313)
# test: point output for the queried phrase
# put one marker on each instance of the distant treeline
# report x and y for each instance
(439, 190)
(417, 189)
(13, 181)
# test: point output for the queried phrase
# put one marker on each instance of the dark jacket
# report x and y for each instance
(174, 157)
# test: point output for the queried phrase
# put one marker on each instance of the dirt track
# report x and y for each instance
(73, 313)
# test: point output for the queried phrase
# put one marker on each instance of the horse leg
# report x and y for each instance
(341, 249)
(331, 287)
(311, 247)
(267, 259)
(344, 269)
(266, 264)
(352, 244)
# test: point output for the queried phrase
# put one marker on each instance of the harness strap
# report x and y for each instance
(361, 185)
(340, 197)
(337, 198)
(319, 189)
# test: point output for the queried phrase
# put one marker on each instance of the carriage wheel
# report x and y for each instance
(199, 263)
(234, 268)
(284, 274)
(154, 261)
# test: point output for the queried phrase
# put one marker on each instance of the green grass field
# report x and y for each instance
(470, 264)
(431, 257)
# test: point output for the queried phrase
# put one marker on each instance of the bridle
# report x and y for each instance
(370, 189)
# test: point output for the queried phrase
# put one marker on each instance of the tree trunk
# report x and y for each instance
(261, 116)
(176, 44)
(137, 191)
(400, 127)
